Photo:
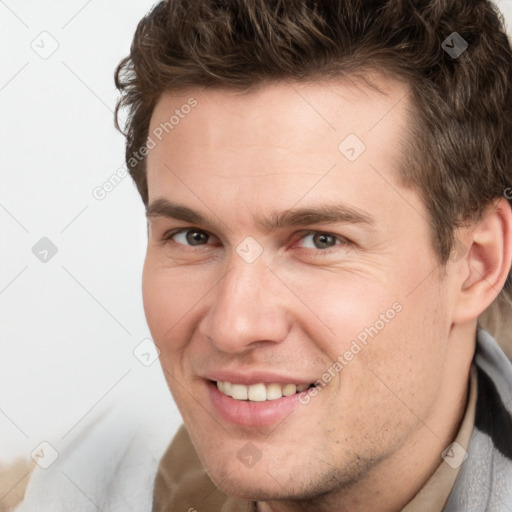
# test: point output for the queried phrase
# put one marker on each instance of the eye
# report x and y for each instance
(322, 241)
(192, 237)
(318, 240)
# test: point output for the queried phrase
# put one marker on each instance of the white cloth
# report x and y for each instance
(108, 466)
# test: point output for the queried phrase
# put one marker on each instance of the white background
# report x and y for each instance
(69, 325)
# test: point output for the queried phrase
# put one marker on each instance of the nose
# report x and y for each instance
(249, 308)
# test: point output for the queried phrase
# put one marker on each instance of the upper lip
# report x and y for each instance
(254, 377)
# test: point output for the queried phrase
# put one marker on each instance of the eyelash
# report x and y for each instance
(167, 237)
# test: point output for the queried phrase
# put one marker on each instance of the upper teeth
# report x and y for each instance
(259, 392)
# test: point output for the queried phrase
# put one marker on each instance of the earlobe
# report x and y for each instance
(485, 266)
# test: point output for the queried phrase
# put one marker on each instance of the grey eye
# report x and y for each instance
(320, 240)
(324, 240)
(191, 237)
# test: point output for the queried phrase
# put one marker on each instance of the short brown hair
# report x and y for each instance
(458, 153)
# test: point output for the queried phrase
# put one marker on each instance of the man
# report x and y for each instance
(328, 216)
(324, 185)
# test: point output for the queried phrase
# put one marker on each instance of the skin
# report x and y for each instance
(374, 435)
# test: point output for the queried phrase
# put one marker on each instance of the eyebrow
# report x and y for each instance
(325, 213)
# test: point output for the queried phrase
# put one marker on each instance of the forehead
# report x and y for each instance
(303, 139)
(325, 112)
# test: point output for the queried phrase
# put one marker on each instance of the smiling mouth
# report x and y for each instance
(260, 392)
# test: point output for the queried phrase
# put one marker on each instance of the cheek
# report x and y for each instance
(164, 300)
(392, 342)
(173, 299)
(335, 310)
(403, 365)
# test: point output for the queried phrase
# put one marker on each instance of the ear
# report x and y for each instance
(485, 265)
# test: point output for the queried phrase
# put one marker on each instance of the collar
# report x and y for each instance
(434, 494)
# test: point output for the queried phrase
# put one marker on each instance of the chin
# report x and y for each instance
(256, 490)
(253, 490)
(245, 483)
(259, 484)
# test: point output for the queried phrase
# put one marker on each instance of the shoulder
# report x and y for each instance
(484, 479)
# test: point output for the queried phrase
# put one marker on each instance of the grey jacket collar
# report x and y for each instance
(484, 483)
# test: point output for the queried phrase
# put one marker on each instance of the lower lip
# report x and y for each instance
(251, 414)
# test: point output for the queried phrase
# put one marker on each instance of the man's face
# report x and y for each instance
(230, 299)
